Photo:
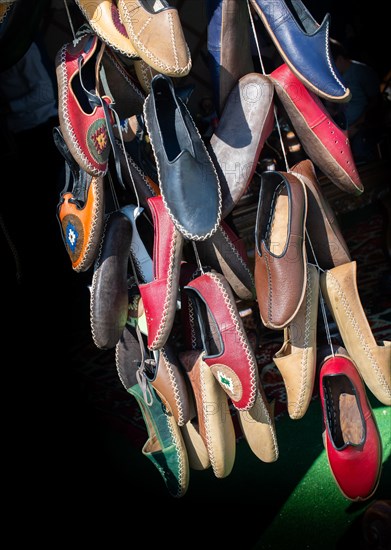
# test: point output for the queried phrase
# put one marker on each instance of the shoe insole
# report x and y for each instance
(277, 233)
(89, 82)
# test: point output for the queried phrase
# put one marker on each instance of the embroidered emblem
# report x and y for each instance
(98, 141)
(71, 236)
(117, 21)
(225, 381)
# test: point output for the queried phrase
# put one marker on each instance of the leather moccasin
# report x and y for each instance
(296, 360)
(104, 19)
(188, 180)
(328, 244)
(155, 30)
(280, 259)
(322, 139)
(304, 46)
(351, 436)
(80, 210)
(109, 288)
(245, 124)
(373, 361)
(81, 114)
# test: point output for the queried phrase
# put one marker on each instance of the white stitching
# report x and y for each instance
(238, 256)
(180, 489)
(209, 441)
(329, 60)
(175, 388)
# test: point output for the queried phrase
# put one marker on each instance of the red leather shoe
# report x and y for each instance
(160, 296)
(324, 142)
(227, 350)
(351, 435)
(82, 119)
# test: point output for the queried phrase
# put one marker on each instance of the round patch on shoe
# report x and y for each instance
(98, 142)
(228, 380)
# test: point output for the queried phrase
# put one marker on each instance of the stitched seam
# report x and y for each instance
(136, 167)
(66, 116)
(148, 53)
(329, 60)
(117, 366)
(137, 265)
(179, 456)
(173, 41)
(175, 388)
(95, 218)
(167, 300)
(126, 77)
(209, 443)
(336, 285)
(243, 341)
(237, 254)
(7, 9)
(93, 283)
(180, 228)
(270, 287)
(192, 325)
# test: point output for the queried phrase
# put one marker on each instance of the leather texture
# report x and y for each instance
(197, 451)
(280, 257)
(233, 364)
(328, 243)
(160, 296)
(322, 139)
(296, 359)
(80, 210)
(157, 35)
(187, 177)
(225, 253)
(245, 124)
(303, 46)
(213, 416)
(228, 45)
(351, 438)
(109, 288)
(103, 17)
(142, 260)
(83, 126)
(258, 428)
(373, 360)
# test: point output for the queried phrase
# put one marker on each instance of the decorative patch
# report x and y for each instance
(117, 21)
(73, 231)
(71, 236)
(98, 141)
(225, 381)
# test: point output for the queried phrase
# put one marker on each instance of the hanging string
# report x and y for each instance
(199, 263)
(113, 193)
(321, 299)
(264, 72)
(70, 19)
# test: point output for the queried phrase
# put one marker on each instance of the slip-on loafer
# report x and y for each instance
(155, 30)
(213, 417)
(228, 44)
(296, 359)
(83, 125)
(322, 139)
(109, 288)
(373, 360)
(258, 428)
(164, 447)
(280, 251)
(225, 345)
(328, 244)
(245, 124)
(188, 180)
(160, 295)
(80, 210)
(225, 252)
(104, 19)
(351, 436)
(303, 46)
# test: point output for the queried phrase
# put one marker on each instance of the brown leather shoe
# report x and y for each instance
(157, 35)
(280, 257)
(326, 238)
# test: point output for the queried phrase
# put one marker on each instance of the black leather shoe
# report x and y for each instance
(187, 177)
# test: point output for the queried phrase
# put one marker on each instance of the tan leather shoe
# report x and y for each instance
(197, 451)
(157, 35)
(339, 288)
(214, 418)
(144, 73)
(296, 360)
(322, 226)
(103, 18)
(258, 428)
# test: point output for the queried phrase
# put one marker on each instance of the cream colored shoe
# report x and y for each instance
(339, 287)
(296, 360)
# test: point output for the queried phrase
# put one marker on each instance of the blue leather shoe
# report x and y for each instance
(304, 46)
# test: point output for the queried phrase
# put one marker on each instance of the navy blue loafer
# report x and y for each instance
(188, 179)
(304, 46)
